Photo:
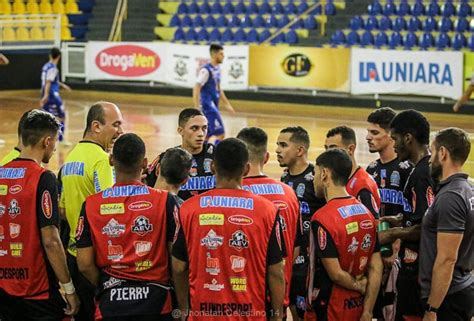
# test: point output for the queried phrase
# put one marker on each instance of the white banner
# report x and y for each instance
(425, 73)
(185, 61)
(126, 61)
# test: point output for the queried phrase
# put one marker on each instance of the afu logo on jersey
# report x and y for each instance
(383, 176)
(296, 65)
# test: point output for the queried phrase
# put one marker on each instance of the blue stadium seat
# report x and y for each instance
(400, 24)
(389, 8)
(395, 40)
(338, 38)
(459, 41)
(374, 8)
(427, 40)
(240, 8)
(385, 23)
(215, 35)
(371, 23)
(461, 25)
(190, 35)
(186, 21)
(414, 24)
(330, 8)
(290, 8)
(264, 8)
(204, 8)
(178, 35)
(182, 8)
(447, 9)
(278, 39)
(252, 36)
(228, 8)
(430, 24)
(277, 8)
(202, 35)
(216, 8)
(443, 41)
(471, 42)
(198, 21)
(175, 21)
(240, 36)
(418, 9)
(209, 21)
(381, 39)
(353, 38)
(464, 9)
(298, 24)
(302, 7)
(222, 21)
(234, 22)
(264, 35)
(410, 41)
(291, 37)
(271, 22)
(403, 8)
(433, 9)
(246, 22)
(283, 21)
(227, 36)
(193, 8)
(445, 25)
(356, 23)
(310, 23)
(252, 8)
(367, 39)
(316, 11)
(258, 22)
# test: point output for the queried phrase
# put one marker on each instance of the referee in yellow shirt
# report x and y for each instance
(87, 171)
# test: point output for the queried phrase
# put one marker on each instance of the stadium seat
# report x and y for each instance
(215, 36)
(240, 36)
(58, 7)
(381, 39)
(36, 34)
(227, 36)
(71, 7)
(283, 21)
(403, 8)
(447, 9)
(459, 41)
(190, 35)
(367, 39)
(298, 24)
(209, 21)
(216, 8)
(464, 9)
(410, 41)
(375, 8)
(204, 8)
(310, 23)
(252, 8)
(290, 8)
(264, 35)
(433, 9)
(258, 22)
(271, 22)
(277, 8)
(302, 7)
(222, 21)
(202, 35)
(400, 24)
(427, 40)
(9, 34)
(178, 35)
(418, 9)
(246, 22)
(228, 8)
(175, 21)
(395, 40)
(49, 33)
(64, 21)
(252, 36)
(430, 24)
(414, 24)
(19, 8)
(291, 37)
(338, 38)
(445, 25)
(385, 23)
(193, 8)
(5, 8)
(182, 8)
(22, 34)
(443, 41)
(316, 11)
(278, 39)
(240, 8)
(234, 22)
(264, 8)
(330, 8)
(371, 23)
(66, 34)
(461, 25)
(353, 38)
(186, 21)
(198, 21)
(356, 23)
(471, 42)
(389, 8)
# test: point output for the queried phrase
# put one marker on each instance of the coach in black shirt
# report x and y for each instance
(447, 238)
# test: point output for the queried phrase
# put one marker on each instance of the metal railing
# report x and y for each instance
(120, 15)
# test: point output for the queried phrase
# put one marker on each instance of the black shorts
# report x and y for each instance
(15, 308)
(458, 306)
(84, 289)
(298, 289)
(409, 301)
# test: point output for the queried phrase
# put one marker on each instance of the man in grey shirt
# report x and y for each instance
(447, 237)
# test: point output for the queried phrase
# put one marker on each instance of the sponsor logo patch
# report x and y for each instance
(214, 286)
(14, 209)
(352, 228)
(114, 252)
(143, 265)
(113, 228)
(212, 241)
(16, 249)
(366, 242)
(366, 224)
(322, 238)
(238, 284)
(47, 204)
(15, 189)
(142, 248)
(142, 225)
(112, 208)
(239, 240)
(211, 219)
(80, 227)
(14, 230)
(212, 265)
(240, 220)
(237, 263)
(2, 233)
(410, 256)
(352, 248)
(140, 206)
(3, 190)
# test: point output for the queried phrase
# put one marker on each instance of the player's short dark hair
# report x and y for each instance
(299, 135)
(382, 117)
(22, 119)
(128, 153)
(412, 122)
(187, 114)
(230, 158)
(456, 141)
(55, 53)
(347, 134)
(36, 125)
(214, 48)
(256, 140)
(96, 113)
(175, 165)
(338, 162)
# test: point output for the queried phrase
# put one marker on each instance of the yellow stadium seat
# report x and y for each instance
(58, 7)
(22, 34)
(45, 7)
(36, 34)
(6, 8)
(48, 33)
(64, 20)
(9, 34)
(21, 21)
(72, 7)
(19, 7)
(32, 7)
(35, 21)
(66, 34)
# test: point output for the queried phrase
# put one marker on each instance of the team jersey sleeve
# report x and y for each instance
(51, 74)
(150, 172)
(453, 213)
(325, 246)
(202, 77)
(172, 219)
(422, 192)
(103, 175)
(366, 198)
(83, 232)
(47, 210)
(276, 244)
(180, 250)
(299, 231)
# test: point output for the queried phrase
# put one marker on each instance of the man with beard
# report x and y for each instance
(292, 153)
(410, 131)
(447, 236)
(192, 127)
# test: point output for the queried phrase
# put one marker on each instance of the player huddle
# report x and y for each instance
(203, 234)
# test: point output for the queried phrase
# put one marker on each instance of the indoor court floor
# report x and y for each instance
(155, 119)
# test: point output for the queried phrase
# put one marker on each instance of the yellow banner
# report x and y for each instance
(468, 69)
(300, 67)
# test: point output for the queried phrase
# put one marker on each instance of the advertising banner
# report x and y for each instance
(468, 69)
(126, 61)
(425, 73)
(300, 67)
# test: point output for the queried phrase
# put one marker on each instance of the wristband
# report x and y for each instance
(68, 288)
(429, 308)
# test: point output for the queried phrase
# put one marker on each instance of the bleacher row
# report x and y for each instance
(74, 19)
(417, 25)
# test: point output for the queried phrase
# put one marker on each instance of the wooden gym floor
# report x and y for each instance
(155, 119)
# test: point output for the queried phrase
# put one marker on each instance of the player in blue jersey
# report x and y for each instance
(208, 91)
(50, 84)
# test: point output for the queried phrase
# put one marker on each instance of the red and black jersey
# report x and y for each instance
(229, 237)
(285, 199)
(363, 187)
(346, 230)
(201, 178)
(28, 202)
